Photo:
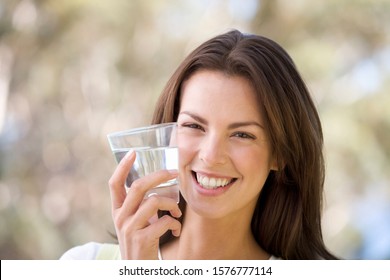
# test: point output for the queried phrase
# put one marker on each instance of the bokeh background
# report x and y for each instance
(72, 71)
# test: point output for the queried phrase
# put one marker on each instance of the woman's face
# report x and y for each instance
(225, 156)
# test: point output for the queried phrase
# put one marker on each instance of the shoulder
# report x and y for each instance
(88, 251)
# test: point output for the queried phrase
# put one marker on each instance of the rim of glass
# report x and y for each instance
(141, 129)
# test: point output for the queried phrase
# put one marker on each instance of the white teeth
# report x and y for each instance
(211, 183)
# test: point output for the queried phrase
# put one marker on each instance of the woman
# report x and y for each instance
(251, 165)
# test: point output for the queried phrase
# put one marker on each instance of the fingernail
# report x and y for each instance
(173, 171)
(176, 232)
(129, 154)
(178, 214)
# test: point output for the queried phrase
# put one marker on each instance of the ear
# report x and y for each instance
(276, 164)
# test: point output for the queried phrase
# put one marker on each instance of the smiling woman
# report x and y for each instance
(227, 145)
(251, 168)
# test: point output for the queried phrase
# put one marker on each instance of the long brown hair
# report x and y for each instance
(287, 219)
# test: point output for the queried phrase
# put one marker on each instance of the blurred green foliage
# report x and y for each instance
(72, 71)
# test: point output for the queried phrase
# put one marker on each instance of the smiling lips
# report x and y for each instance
(211, 182)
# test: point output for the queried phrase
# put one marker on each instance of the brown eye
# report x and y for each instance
(244, 135)
(192, 126)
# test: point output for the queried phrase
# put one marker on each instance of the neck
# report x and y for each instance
(206, 238)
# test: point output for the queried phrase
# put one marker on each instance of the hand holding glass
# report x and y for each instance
(156, 149)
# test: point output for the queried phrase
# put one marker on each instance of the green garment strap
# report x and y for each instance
(109, 252)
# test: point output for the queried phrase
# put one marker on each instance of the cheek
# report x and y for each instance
(187, 149)
(253, 164)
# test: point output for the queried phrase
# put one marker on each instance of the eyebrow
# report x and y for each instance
(231, 126)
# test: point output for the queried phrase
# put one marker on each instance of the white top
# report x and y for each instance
(89, 251)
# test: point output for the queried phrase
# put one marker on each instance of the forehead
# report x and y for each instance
(217, 92)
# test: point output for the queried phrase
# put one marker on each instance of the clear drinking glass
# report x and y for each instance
(156, 149)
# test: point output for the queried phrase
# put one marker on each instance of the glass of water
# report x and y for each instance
(156, 149)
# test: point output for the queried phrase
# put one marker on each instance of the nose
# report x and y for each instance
(213, 150)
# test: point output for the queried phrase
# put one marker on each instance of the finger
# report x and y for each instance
(149, 208)
(141, 186)
(162, 225)
(118, 179)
